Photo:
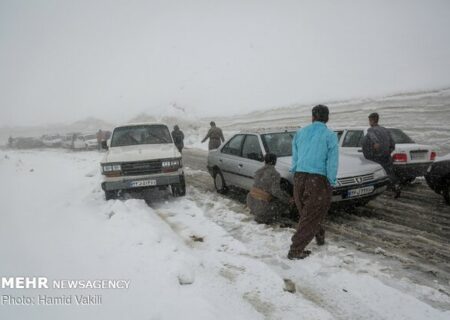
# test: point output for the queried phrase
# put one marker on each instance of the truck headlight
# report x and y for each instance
(380, 173)
(111, 167)
(171, 163)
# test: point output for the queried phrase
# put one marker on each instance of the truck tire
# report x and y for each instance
(179, 189)
(219, 182)
(110, 195)
(446, 192)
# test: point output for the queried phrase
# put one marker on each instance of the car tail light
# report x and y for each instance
(399, 157)
(433, 156)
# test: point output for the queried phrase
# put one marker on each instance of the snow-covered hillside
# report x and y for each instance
(191, 258)
(425, 116)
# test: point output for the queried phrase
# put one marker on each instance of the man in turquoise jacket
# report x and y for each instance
(315, 159)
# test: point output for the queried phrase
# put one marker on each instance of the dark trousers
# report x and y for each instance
(388, 166)
(312, 195)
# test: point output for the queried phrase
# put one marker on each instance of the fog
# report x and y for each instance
(61, 61)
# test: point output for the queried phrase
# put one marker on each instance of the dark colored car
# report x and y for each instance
(438, 177)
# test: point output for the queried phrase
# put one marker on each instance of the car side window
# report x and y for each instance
(339, 134)
(234, 146)
(353, 139)
(251, 148)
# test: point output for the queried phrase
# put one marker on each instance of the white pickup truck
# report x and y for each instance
(141, 156)
(411, 159)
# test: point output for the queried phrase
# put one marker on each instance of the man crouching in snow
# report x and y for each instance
(266, 187)
(315, 157)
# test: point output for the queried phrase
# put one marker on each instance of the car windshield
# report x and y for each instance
(143, 134)
(90, 137)
(278, 143)
(400, 137)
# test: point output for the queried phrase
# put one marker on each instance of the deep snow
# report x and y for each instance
(55, 222)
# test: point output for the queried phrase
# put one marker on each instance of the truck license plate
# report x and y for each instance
(360, 191)
(142, 183)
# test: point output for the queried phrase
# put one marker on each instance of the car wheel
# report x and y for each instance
(110, 195)
(219, 182)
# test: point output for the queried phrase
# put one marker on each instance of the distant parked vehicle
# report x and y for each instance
(411, 159)
(142, 156)
(90, 141)
(235, 162)
(52, 141)
(26, 143)
(68, 140)
(438, 177)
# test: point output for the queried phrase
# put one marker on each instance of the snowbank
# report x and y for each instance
(190, 258)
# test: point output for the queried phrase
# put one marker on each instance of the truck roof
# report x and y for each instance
(141, 124)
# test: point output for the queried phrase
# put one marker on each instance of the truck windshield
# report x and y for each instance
(400, 137)
(278, 143)
(142, 134)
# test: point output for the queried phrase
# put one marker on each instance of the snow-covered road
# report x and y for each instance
(199, 257)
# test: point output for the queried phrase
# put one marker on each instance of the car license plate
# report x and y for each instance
(360, 191)
(142, 183)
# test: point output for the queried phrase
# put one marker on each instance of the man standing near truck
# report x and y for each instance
(215, 136)
(99, 137)
(315, 158)
(378, 146)
(178, 138)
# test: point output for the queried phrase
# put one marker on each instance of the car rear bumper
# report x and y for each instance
(125, 182)
(341, 194)
(412, 170)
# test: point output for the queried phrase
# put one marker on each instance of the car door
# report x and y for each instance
(252, 159)
(229, 160)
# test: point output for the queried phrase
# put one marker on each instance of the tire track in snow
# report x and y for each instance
(414, 230)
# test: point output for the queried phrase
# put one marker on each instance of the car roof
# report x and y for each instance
(269, 130)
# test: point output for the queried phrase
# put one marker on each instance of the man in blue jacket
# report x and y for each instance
(315, 159)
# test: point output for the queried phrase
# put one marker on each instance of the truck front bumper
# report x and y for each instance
(129, 182)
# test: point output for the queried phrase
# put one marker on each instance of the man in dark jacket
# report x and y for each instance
(377, 146)
(215, 136)
(266, 187)
(178, 138)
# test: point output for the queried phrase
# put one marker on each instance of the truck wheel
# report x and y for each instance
(446, 192)
(407, 181)
(219, 182)
(110, 195)
(179, 189)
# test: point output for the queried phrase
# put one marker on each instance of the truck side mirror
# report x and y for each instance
(104, 145)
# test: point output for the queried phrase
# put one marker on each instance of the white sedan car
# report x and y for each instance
(235, 162)
(411, 159)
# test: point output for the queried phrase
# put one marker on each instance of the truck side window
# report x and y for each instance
(353, 139)
(233, 147)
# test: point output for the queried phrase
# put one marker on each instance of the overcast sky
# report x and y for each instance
(62, 61)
